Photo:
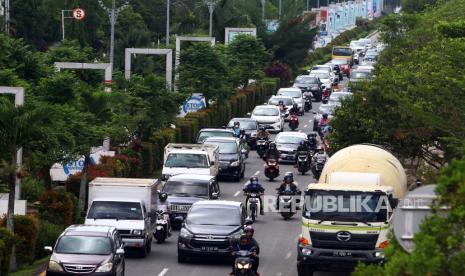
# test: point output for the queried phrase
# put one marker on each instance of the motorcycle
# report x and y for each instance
(293, 122)
(243, 265)
(325, 97)
(303, 165)
(163, 229)
(271, 169)
(308, 101)
(253, 205)
(285, 201)
(318, 168)
(262, 146)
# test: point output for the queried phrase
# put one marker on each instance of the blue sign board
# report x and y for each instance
(193, 104)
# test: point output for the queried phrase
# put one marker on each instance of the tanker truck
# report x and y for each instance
(347, 215)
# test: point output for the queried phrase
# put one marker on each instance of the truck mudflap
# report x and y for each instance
(334, 259)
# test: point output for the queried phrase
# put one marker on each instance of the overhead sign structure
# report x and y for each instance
(231, 33)
(79, 14)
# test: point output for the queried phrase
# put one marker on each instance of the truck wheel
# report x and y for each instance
(304, 270)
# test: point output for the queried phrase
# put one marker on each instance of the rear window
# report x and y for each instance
(290, 93)
(275, 101)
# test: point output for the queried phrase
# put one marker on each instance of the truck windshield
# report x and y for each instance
(186, 187)
(186, 160)
(115, 210)
(346, 206)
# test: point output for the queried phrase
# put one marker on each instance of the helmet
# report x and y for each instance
(249, 229)
(254, 180)
(281, 102)
(272, 146)
(237, 124)
(302, 143)
(289, 177)
(312, 135)
(163, 197)
(261, 128)
(325, 115)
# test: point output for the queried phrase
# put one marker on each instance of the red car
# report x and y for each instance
(343, 64)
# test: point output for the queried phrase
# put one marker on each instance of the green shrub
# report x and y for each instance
(47, 236)
(7, 240)
(57, 206)
(31, 188)
(26, 229)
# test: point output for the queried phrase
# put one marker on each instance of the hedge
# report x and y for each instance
(26, 229)
(6, 244)
(57, 206)
(215, 116)
(47, 236)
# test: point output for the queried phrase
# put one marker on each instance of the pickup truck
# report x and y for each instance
(190, 159)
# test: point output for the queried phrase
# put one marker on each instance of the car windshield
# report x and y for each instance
(244, 124)
(189, 160)
(290, 93)
(212, 133)
(360, 75)
(266, 111)
(185, 186)
(321, 75)
(288, 139)
(214, 215)
(275, 101)
(225, 147)
(339, 61)
(306, 80)
(342, 52)
(115, 210)
(84, 245)
(348, 206)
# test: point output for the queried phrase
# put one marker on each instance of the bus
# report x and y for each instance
(343, 52)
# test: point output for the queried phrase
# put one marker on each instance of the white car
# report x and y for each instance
(268, 116)
(336, 97)
(325, 78)
(287, 101)
(295, 93)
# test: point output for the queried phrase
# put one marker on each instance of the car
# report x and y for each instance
(336, 97)
(323, 109)
(183, 190)
(269, 117)
(359, 75)
(343, 64)
(232, 156)
(323, 67)
(287, 143)
(295, 93)
(87, 250)
(250, 126)
(309, 84)
(213, 132)
(287, 101)
(326, 81)
(368, 68)
(209, 229)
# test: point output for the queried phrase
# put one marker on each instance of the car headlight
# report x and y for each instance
(138, 232)
(235, 163)
(184, 233)
(54, 266)
(235, 236)
(105, 267)
(165, 177)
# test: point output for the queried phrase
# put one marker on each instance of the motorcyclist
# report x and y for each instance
(303, 146)
(271, 153)
(236, 128)
(249, 232)
(312, 141)
(294, 109)
(288, 183)
(246, 245)
(254, 187)
(242, 134)
(324, 121)
(320, 155)
(262, 133)
(281, 106)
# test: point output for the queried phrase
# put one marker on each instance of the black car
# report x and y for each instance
(183, 190)
(250, 126)
(309, 84)
(232, 156)
(210, 229)
(287, 143)
(87, 250)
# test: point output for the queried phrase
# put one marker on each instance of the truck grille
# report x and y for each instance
(356, 241)
(180, 208)
(79, 268)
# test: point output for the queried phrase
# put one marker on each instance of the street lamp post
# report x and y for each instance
(211, 8)
(263, 10)
(7, 17)
(280, 8)
(167, 22)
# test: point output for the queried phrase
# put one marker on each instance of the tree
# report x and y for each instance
(247, 58)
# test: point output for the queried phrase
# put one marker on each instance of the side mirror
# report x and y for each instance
(163, 197)
(48, 249)
(214, 195)
(120, 251)
(212, 163)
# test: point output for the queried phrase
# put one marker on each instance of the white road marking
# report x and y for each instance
(163, 272)
(237, 193)
(305, 126)
(257, 173)
(288, 255)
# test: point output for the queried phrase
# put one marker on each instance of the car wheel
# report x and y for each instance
(181, 259)
(304, 270)
(237, 178)
(149, 246)
(143, 252)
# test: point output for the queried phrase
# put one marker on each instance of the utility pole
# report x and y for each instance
(7, 16)
(263, 10)
(168, 22)
(280, 8)
(211, 8)
(113, 14)
(308, 5)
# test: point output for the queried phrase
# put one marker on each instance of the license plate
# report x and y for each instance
(209, 248)
(342, 253)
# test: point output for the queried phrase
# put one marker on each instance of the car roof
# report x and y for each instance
(89, 230)
(191, 177)
(281, 97)
(218, 203)
(318, 72)
(289, 89)
(291, 133)
(243, 119)
(221, 139)
(216, 129)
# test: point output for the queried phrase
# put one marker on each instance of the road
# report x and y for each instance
(277, 237)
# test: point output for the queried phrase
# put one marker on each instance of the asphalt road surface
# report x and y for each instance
(277, 237)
